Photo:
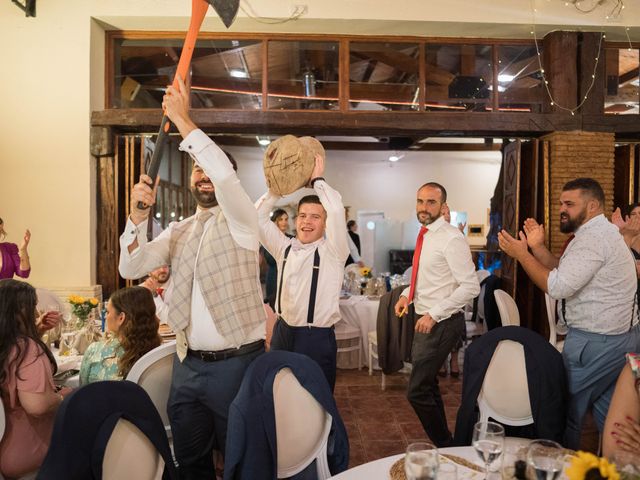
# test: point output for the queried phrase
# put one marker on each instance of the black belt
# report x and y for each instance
(208, 356)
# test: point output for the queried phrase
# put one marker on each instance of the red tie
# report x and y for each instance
(566, 243)
(416, 261)
(160, 292)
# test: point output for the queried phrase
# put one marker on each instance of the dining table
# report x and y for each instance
(361, 312)
(380, 469)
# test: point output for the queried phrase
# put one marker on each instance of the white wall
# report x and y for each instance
(369, 182)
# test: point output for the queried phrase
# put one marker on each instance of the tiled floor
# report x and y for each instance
(382, 423)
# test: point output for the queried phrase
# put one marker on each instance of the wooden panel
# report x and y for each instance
(589, 49)
(510, 202)
(623, 176)
(560, 69)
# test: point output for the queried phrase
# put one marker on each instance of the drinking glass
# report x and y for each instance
(546, 459)
(514, 457)
(421, 461)
(488, 441)
(447, 471)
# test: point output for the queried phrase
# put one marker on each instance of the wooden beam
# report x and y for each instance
(241, 141)
(560, 50)
(588, 49)
(369, 123)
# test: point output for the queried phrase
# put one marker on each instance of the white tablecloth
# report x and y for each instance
(379, 469)
(360, 312)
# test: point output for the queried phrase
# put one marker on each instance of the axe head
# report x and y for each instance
(226, 10)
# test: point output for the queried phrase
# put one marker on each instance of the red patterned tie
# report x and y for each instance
(566, 243)
(160, 292)
(416, 261)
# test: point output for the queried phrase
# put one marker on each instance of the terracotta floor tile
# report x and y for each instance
(357, 454)
(412, 430)
(380, 431)
(383, 448)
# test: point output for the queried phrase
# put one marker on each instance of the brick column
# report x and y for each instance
(572, 155)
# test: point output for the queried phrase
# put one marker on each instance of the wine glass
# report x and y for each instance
(421, 461)
(488, 441)
(546, 458)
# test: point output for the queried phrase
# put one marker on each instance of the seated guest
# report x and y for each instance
(160, 285)
(14, 260)
(132, 331)
(622, 426)
(29, 395)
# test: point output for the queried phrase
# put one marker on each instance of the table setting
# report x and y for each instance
(492, 456)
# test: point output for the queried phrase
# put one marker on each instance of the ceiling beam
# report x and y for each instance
(373, 123)
(242, 141)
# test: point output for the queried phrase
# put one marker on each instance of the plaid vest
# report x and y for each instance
(228, 276)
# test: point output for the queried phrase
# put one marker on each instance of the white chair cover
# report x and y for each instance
(505, 393)
(509, 314)
(153, 372)
(302, 427)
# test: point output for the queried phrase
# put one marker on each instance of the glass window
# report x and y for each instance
(303, 75)
(383, 76)
(520, 86)
(621, 88)
(226, 74)
(459, 77)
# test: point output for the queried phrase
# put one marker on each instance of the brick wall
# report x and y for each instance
(572, 155)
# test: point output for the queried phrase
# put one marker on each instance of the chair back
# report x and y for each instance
(302, 427)
(505, 392)
(130, 454)
(153, 372)
(509, 314)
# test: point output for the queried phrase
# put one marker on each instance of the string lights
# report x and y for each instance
(613, 14)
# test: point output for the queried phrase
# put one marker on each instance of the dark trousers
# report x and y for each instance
(428, 353)
(315, 342)
(198, 408)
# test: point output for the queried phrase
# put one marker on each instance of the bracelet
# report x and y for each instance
(314, 180)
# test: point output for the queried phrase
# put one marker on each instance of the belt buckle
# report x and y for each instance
(206, 356)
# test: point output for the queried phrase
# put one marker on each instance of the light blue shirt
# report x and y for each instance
(597, 278)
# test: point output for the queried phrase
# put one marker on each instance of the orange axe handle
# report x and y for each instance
(198, 12)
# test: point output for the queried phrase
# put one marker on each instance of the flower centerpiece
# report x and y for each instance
(365, 272)
(81, 307)
(587, 466)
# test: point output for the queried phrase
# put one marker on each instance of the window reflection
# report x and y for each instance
(622, 87)
(303, 75)
(459, 77)
(383, 76)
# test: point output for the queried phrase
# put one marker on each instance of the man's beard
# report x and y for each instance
(161, 279)
(429, 219)
(572, 224)
(204, 199)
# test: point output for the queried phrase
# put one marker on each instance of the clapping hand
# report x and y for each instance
(534, 232)
(25, 240)
(512, 246)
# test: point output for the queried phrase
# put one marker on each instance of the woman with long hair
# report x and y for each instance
(29, 395)
(14, 260)
(132, 331)
(281, 218)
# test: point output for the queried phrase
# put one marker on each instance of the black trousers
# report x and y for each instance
(314, 342)
(428, 353)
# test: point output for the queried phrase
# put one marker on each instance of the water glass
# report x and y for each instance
(514, 454)
(447, 471)
(421, 461)
(488, 441)
(546, 459)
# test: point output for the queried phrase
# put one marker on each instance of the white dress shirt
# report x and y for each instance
(243, 224)
(333, 251)
(447, 278)
(162, 301)
(597, 277)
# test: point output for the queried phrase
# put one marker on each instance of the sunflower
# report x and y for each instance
(586, 466)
